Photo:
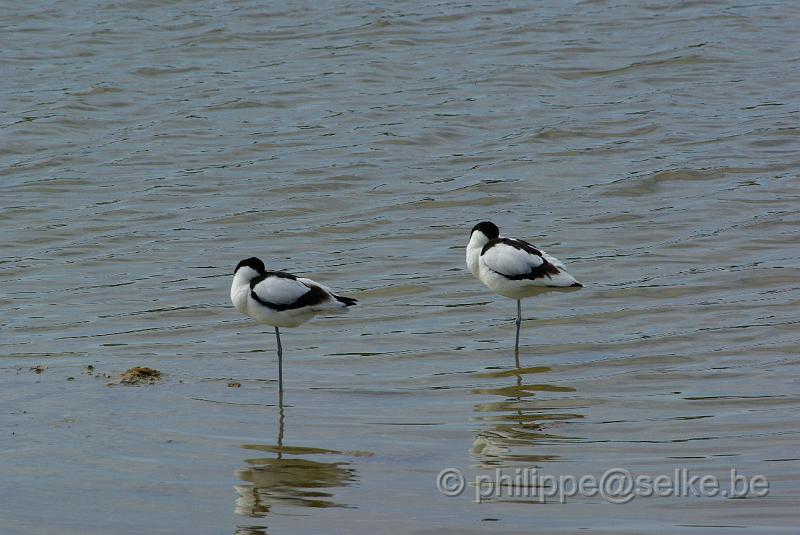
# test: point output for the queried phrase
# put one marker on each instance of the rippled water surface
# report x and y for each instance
(146, 147)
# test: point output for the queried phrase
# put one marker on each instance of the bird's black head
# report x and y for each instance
(488, 228)
(253, 263)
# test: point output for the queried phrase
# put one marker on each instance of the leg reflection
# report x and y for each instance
(287, 478)
(519, 428)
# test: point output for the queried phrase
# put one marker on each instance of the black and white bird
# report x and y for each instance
(514, 268)
(281, 300)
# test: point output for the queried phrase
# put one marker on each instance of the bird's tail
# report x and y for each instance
(346, 301)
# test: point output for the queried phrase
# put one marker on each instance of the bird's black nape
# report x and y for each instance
(488, 228)
(254, 263)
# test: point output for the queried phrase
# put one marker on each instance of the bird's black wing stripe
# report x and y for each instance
(279, 274)
(314, 296)
(512, 242)
(539, 272)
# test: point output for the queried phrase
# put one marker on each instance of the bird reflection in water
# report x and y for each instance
(287, 478)
(516, 427)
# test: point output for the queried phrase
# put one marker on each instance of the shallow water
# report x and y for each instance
(146, 147)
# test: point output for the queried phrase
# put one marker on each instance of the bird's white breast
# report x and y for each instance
(240, 288)
(474, 247)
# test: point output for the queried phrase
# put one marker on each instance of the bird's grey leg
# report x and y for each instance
(519, 321)
(280, 366)
(281, 417)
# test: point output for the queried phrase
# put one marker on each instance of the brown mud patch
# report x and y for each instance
(139, 376)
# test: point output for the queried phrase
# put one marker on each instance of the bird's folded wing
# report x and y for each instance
(280, 291)
(553, 260)
(511, 259)
(312, 284)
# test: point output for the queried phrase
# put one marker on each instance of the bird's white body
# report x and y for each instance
(283, 292)
(502, 267)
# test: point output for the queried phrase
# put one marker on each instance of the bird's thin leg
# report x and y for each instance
(281, 417)
(280, 366)
(519, 321)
